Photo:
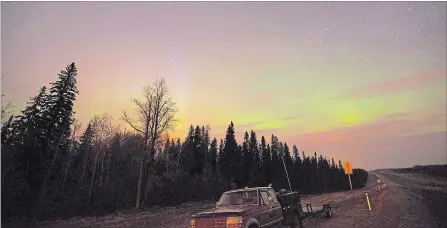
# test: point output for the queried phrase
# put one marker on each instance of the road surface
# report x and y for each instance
(409, 201)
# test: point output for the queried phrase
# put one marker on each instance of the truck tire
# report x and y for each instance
(253, 226)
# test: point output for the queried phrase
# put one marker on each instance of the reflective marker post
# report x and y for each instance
(350, 184)
(379, 183)
(367, 200)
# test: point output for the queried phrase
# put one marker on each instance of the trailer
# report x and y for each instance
(294, 213)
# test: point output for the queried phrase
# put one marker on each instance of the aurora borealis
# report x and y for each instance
(359, 81)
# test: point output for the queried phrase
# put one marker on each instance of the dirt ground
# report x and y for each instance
(408, 201)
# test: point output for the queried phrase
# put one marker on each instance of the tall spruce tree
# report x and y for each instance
(255, 166)
(188, 152)
(199, 152)
(58, 117)
(277, 171)
(247, 158)
(30, 124)
(230, 164)
(265, 162)
(213, 156)
(297, 168)
(61, 99)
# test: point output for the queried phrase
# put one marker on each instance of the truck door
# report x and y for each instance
(276, 209)
(270, 217)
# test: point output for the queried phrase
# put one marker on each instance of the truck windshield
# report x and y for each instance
(238, 198)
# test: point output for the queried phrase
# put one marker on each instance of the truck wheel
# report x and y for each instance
(253, 226)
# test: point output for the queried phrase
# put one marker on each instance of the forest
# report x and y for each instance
(52, 170)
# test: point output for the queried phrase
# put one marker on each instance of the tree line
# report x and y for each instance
(51, 170)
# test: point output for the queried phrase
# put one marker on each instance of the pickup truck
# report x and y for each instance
(256, 207)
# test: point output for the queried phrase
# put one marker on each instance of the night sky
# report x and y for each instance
(359, 81)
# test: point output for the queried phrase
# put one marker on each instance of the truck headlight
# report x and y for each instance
(192, 223)
(235, 221)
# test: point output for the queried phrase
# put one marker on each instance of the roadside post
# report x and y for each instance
(347, 166)
(367, 200)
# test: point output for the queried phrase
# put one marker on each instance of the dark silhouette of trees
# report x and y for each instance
(48, 171)
(6, 108)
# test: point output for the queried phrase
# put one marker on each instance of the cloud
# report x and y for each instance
(254, 124)
(397, 140)
(291, 117)
(397, 85)
(257, 124)
(399, 124)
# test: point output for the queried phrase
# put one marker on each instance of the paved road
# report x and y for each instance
(409, 201)
(417, 200)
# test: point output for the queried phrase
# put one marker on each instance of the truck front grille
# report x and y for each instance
(219, 222)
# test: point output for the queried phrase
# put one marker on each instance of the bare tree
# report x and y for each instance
(155, 115)
(103, 131)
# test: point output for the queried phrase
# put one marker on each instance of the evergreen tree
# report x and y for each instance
(230, 161)
(166, 150)
(247, 158)
(189, 155)
(289, 164)
(213, 156)
(178, 152)
(297, 167)
(61, 99)
(7, 131)
(30, 124)
(340, 165)
(276, 164)
(255, 166)
(268, 165)
(199, 153)
(24, 138)
(219, 155)
(205, 143)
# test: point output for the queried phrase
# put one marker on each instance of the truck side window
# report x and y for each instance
(272, 193)
(264, 198)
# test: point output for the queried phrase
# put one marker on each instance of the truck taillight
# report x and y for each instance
(192, 223)
(234, 222)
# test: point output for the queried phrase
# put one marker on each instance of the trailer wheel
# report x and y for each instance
(327, 210)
